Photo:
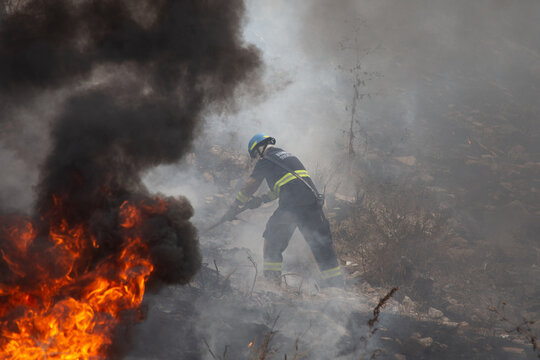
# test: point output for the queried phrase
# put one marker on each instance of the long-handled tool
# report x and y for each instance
(226, 218)
(231, 214)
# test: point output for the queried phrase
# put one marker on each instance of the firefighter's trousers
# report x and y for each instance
(315, 228)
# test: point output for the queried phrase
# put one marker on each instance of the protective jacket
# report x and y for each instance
(282, 183)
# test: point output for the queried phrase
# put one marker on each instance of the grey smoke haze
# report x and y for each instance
(428, 69)
(480, 55)
(439, 75)
(432, 75)
(422, 66)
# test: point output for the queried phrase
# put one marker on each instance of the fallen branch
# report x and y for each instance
(222, 357)
(377, 310)
(256, 274)
(209, 349)
(299, 355)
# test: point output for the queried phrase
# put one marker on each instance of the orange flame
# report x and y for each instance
(73, 313)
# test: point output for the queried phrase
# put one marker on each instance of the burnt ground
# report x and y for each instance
(212, 320)
(227, 307)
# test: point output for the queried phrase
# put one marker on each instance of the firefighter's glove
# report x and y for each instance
(266, 198)
(254, 202)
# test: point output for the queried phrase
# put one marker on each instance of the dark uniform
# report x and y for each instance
(298, 206)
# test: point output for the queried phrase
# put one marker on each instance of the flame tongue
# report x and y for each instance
(64, 315)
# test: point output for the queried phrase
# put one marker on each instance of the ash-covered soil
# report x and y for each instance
(220, 316)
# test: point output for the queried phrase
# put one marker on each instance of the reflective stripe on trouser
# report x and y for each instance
(272, 266)
(286, 178)
(314, 227)
(272, 272)
(330, 273)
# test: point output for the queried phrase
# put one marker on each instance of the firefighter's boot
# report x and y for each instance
(273, 277)
(332, 278)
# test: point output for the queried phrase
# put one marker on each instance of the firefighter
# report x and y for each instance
(300, 205)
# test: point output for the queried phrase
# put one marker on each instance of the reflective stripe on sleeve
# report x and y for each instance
(272, 266)
(241, 197)
(330, 273)
(286, 178)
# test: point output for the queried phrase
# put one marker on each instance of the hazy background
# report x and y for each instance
(432, 78)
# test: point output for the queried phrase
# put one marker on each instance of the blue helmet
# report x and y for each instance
(259, 139)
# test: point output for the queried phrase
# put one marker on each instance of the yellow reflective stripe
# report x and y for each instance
(241, 197)
(255, 143)
(288, 177)
(273, 264)
(268, 266)
(327, 274)
(288, 180)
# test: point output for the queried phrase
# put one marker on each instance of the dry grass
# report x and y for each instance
(393, 232)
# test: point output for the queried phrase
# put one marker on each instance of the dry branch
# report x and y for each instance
(250, 258)
(377, 310)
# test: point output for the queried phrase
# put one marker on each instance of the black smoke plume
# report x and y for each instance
(142, 75)
(47, 44)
